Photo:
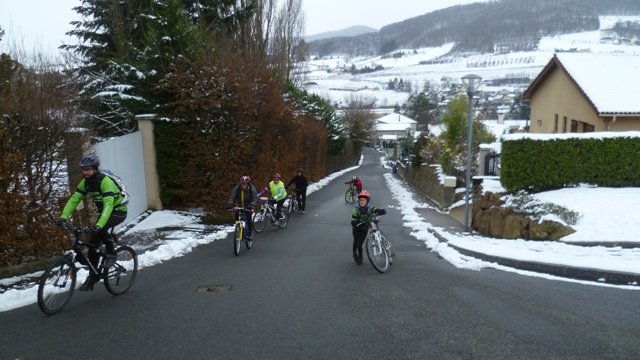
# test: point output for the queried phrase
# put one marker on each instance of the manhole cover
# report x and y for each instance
(214, 288)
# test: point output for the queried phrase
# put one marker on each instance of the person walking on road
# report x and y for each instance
(362, 212)
(301, 184)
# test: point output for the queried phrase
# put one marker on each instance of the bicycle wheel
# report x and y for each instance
(282, 223)
(347, 196)
(291, 205)
(237, 239)
(120, 276)
(260, 220)
(377, 254)
(248, 242)
(56, 285)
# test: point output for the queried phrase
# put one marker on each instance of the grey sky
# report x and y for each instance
(330, 15)
(41, 24)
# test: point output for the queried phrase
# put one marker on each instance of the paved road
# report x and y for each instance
(298, 295)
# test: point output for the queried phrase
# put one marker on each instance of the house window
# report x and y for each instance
(564, 124)
(588, 127)
(555, 124)
(574, 126)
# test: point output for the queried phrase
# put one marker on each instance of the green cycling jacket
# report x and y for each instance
(105, 195)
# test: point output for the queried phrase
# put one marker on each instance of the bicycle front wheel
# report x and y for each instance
(260, 220)
(348, 196)
(282, 223)
(237, 239)
(120, 276)
(291, 207)
(56, 286)
(377, 254)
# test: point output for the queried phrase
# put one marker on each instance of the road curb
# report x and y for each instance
(595, 275)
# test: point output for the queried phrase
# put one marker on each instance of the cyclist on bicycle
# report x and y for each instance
(244, 195)
(357, 182)
(362, 212)
(301, 189)
(276, 190)
(107, 198)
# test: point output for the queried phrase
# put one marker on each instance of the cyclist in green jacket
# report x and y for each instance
(108, 200)
(360, 215)
(277, 192)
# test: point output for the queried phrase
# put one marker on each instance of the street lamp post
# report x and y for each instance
(471, 82)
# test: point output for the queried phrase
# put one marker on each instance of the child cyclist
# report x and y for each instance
(362, 212)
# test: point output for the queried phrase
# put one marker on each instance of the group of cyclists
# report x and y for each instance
(112, 209)
(245, 195)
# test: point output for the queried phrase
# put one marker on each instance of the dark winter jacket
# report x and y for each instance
(300, 181)
(243, 198)
(360, 215)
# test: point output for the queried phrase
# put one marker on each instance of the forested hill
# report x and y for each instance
(510, 24)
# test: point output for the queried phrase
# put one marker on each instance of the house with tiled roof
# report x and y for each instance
(584, 92)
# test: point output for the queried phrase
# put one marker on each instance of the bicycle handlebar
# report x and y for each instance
(238, 208)
(374, 218)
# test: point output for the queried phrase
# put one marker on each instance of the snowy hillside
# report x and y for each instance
(332, 77)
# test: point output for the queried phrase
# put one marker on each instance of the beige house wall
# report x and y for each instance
(625, 124)
(558, 95)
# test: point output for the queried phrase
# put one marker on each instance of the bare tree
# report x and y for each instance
(287, 45)
(359, 119)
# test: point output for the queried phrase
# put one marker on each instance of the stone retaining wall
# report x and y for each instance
(425, 179)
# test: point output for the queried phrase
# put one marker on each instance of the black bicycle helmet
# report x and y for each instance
(90, 161)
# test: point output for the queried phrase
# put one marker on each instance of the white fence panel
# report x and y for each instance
(123, 156)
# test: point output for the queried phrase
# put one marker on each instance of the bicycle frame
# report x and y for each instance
(76, 252)
(240, 218)
(378, 248)
(268, 212)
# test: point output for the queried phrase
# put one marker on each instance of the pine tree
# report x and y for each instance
(130, 48)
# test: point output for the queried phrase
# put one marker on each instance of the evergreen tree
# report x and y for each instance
(322, 111)
(421, 109)
(453, 153)
(129, 48)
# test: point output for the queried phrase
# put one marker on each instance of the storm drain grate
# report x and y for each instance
(214, 288)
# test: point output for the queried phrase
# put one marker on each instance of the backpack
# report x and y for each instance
(119, 183)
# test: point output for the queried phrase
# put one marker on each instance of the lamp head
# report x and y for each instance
(472, 82)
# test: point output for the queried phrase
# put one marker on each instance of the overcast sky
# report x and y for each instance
(41, 24)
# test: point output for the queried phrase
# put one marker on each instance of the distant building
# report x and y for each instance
(582, 92)
(391, 128)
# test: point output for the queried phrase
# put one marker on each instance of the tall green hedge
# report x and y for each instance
(541, 165)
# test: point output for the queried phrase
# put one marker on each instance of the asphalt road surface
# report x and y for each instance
(298, 294)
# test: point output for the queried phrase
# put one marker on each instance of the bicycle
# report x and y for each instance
(267, 213)
(378, 247)
(239, 232)
(351, 194)
(58, 281)
(292, 203)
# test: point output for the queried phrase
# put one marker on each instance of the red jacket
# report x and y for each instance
(357, 182)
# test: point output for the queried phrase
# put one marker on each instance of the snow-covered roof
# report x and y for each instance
(393, 127)
(395, 118)
(611, 82)
(388, 137)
